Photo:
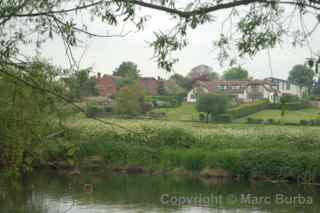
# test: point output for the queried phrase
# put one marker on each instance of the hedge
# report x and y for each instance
(165, 101)
(246, 110)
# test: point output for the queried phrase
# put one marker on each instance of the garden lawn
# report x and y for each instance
(185, 112)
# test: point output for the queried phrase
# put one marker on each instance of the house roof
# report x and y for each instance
(212, 86)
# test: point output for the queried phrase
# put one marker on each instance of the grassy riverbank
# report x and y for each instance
(268, 152)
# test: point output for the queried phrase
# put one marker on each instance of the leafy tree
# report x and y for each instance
(173, 88)
(129, 73)
(261, 26)
(127, 69)
(301, 75)
(81, 84)
(236, 73)
(130, 99)
(28, 115)
(202, 72)
(212, 104)
(184, 82)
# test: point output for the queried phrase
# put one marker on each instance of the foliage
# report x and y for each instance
(165, 101)
(254, 120)
(93, 110)
(247, 109)
(28, 114)
(203, 73)
(247, 150)
(184, 82)
(127, 69)
(262, 25)
(128, 73)
(81, 84)
(289, 99)
(130, 100)
(235, 73)
(173, 88)
(223, 118)
(301, 75)
(212, 104)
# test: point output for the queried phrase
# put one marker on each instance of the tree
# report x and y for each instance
(184, 82)
(173, 88)
(301, 75)
(28, 115)
(212, 104)
(81, 84)
(236, 73)
(130, 99)
(127, 69)
(202, 72)
(261, 26)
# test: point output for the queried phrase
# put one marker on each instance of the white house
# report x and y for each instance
(245, 90)
(285, 87)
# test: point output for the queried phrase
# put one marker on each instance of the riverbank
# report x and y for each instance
(273, 153)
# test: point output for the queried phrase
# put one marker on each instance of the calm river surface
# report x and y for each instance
(94, 193)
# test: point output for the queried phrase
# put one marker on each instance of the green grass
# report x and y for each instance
(185, 112)
(188, 112)
(290, 116)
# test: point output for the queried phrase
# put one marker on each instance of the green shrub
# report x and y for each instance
(289, 98)
(165, 101)
(94, 110)
(225, 159)
(202, 117)
(223, 118)
(246, 110)
(254, 120)
(272, 121)
(304, 122)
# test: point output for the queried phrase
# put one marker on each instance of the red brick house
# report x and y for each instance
(106, 85)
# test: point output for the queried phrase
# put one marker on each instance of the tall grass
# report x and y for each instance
(273, 152)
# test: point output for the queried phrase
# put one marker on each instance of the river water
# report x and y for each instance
(46, 192)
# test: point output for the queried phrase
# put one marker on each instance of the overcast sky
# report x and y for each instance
(105, 54)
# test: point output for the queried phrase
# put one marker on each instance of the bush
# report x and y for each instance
(223, 118)
(94, 110)
(304, 122)
(289, 99)
(254, 120)
(272, 121)
(202, 117)
(310, 122)
(166, 101)
(246, 110)
(295, 106)
(212, 104)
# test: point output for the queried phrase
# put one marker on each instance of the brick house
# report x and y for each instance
(106, 85)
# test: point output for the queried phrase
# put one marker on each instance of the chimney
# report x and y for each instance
(99, 75)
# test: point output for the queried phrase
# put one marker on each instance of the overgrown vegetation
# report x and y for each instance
(277, 153)
(30, 117)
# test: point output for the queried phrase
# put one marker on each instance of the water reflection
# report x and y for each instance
(49, 193)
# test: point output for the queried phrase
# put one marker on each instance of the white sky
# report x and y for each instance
(105, 54)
